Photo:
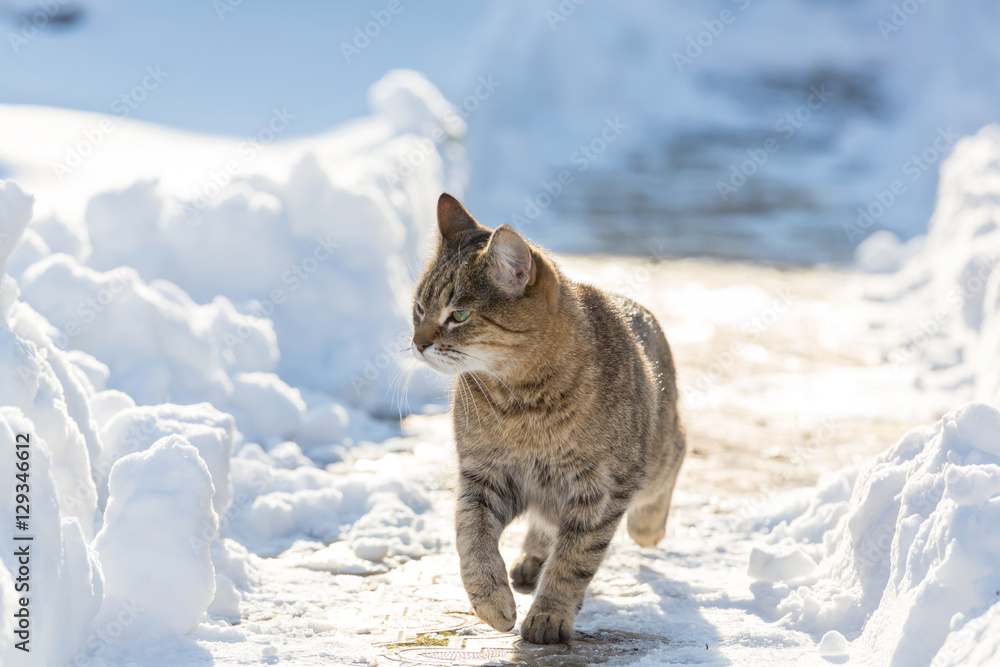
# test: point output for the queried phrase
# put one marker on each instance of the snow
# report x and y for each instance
(162, 567)
(139, 428)
(204, 348)
(833, 645)
(950, 292)
(66, 579)
(905, 556)
(778, 567)
(232, 247)
(135, 496)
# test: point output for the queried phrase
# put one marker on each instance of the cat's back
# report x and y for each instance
(653, 341)
(622, 326)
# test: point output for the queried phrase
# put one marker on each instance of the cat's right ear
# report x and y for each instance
(512, 268)
(452, 217)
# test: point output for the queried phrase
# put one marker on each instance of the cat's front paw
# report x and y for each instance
(495, 606)
(547, 627)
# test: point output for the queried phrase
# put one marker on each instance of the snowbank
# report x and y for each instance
(900, 554)
(278, 504)
(223, 258)
(950, 290)
(137, 429)
(43, 403)
(150, 331)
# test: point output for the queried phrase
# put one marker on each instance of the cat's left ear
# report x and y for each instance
(512, 267)
(452, 217)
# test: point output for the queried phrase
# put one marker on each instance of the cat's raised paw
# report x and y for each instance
(496, 608)
(524, 575)
(547, 628)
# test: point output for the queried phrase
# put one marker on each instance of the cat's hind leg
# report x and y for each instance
(647, 515)
(534, 553)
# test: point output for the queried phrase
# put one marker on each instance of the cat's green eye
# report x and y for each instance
(461, 315)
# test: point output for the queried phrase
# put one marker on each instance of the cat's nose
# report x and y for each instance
(422, 343)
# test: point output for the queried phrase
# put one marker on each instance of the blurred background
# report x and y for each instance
(698, 89)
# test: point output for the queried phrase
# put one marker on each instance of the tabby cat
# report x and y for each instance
(565, 408)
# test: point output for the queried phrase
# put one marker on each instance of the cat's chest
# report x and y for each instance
(538, 418)
(547, 485)
(542, 474)
(524, 437)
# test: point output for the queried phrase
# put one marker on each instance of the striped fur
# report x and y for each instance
(564, 407)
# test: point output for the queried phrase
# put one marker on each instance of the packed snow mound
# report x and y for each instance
(159, 345)
(282, 498)
(137, 429)
(151, 550)
(155, 339)
(42, 380)
(138, 358)
(43, 404)
(904, 548)
(951, 289)
(65, 585)
(228, 256)
(412, 103)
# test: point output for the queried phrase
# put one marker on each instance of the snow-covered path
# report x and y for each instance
(805, 392)
(687, 601)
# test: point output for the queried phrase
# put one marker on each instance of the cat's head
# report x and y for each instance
(485, 298)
